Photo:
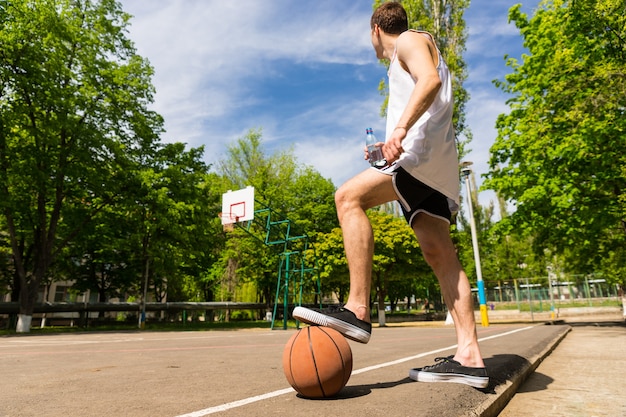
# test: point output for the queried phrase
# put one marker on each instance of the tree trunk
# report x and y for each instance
(23, 323)
(382, 320)
(28, 297)
(622, 293)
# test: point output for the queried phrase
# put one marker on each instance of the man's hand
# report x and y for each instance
(366, 153)
(392, 149)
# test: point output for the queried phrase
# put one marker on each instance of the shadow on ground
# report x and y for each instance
(503, 368)
(355, 391)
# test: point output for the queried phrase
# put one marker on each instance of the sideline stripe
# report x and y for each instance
(246, 401)
(235, 404)
(421, 355)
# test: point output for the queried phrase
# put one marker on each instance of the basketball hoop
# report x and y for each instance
(228, 221)
(237, 206)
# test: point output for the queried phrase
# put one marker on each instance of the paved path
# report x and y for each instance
(585, 375)
(239, 373)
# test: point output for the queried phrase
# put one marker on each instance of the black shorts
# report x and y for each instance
(416, 197)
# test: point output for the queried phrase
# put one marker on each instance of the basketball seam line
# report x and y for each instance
(317, 373)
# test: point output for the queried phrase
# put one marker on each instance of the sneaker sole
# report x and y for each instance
(348, 330)
(473, 381)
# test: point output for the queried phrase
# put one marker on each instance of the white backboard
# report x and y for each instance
(238, 206)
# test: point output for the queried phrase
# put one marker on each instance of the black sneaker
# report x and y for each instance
(338, 318)
(449, 370)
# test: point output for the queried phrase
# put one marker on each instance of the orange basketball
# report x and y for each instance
(317, 362)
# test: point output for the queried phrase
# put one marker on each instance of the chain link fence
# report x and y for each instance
(549, 292)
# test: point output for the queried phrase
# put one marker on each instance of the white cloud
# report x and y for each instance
(210, 56)
(337, 158)
(338, 154)
(224, 67)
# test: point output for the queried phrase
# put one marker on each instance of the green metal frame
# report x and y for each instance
(294, 268)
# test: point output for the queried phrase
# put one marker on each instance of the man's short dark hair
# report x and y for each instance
(391, 18)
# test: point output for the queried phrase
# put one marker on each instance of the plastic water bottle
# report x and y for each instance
(377, 159)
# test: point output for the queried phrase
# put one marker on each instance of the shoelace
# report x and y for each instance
(440, 361)
(334, 308)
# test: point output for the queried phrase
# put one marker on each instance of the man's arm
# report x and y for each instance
(418, 56)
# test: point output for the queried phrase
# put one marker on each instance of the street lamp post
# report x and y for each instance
(550, 276)
(465, 173)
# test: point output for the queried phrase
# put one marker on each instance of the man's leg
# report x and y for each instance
(433, 235)
(368, 189)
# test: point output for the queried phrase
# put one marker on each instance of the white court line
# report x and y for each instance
(235, 404)
(245, 401)
(67, 340)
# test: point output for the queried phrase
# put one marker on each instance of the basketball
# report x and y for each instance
(317, 362)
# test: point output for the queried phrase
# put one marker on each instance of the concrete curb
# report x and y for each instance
(504, 392)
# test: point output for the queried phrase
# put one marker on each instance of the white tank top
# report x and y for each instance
(430, 153)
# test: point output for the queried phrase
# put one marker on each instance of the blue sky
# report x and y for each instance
(303, 72)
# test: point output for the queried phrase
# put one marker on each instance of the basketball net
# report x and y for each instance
(228, 221)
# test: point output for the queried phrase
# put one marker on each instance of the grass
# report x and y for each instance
(523, 305)
(195, 325)
(153, 327)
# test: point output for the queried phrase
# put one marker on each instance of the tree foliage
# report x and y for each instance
(86, 186)
(89, 193)
(559, 152)
(398, 262)
(73, 120)
(332, 263)
(294, 193)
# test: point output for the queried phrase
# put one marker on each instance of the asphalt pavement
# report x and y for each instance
(573, 367)
(584, 375)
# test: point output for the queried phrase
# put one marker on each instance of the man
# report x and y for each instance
(422, 174)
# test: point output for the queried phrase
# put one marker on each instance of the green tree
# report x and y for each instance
(292, 192)
(332, 264)
(205, 237)
(246, 258)
(6, 261)
(99, 261)
(311, 202)
(397, 259)
(74, 121)
(559, 154)
(163, 212)
(399, 269)
(247, 164)
(210, 271)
